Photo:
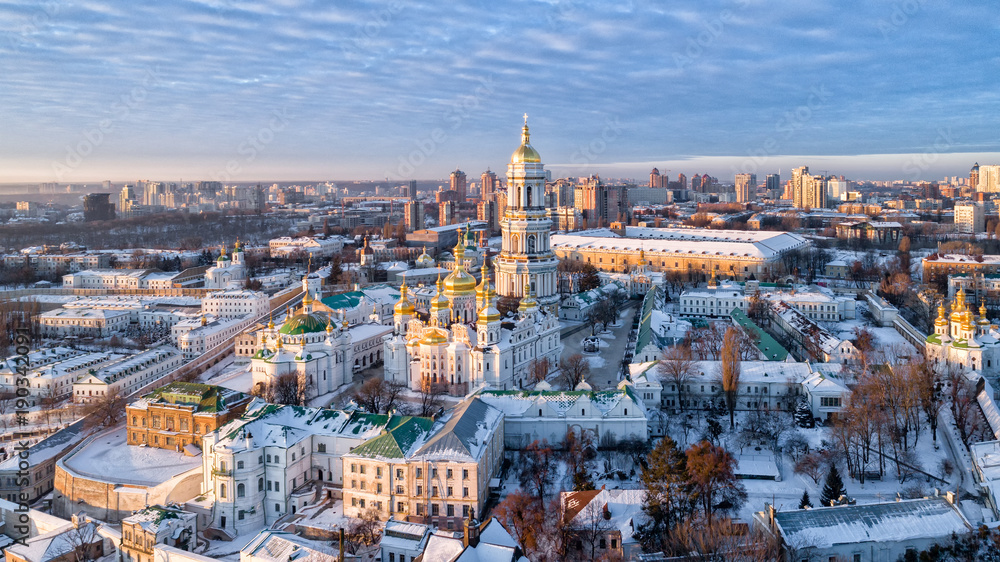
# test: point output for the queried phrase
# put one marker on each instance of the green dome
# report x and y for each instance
(304, 324)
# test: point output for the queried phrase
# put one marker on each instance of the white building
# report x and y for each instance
(52, 372)
(817, 341)
(970, 217)
(281, 546)
(963, 341)
(227, 273)
(196, 336)
(774, 385)
(317, 247)
(88, 322)
(613, 415)
(865, 533)
(236, 303)
(713, 301)
(119, 279)
(275, 459)
(127, 375)
(403, 541)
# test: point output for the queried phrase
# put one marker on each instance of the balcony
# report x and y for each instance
(221, 472)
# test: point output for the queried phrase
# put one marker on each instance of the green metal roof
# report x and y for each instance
(768, 346)
(209, 398)
(400, 435)
(646, 319)
(304, 324)
(343, 300)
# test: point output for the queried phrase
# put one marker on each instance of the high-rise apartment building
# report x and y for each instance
(657, 180)
(772, 183)
(683, 180)
(600, 204)
(970, 217)
(488, 184)
(447, 213)
(808, 192)
(989, 179)
(414, 215)
(486, 211)
(746, 186)
(974, 176)
(459, 185)
(412, 190)
(98, 207)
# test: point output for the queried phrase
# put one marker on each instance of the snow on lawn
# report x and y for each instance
(235, 377)
(326, 515)
(595, 361)
(108, 457)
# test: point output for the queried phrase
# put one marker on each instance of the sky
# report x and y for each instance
(236, 90)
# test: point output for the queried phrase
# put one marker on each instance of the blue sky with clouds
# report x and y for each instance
(297, 89)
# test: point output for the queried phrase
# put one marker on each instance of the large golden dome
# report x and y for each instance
(459, 281)
(404, 307)
(434, 336)
(525, 152)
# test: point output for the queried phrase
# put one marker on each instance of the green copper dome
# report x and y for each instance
(304, 324)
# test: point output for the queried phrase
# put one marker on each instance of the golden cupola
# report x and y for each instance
(483, 286)
(942, 317)
(489, 312)
(404, 307)
(459, 281)
(527, 302)
(440, 302)
(958, 305)
(983, 320)
(525, 153)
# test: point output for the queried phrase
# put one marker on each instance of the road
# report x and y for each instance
(605, 376)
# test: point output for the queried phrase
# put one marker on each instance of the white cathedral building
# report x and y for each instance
(227, 273)
(963, 341)
(312, 344)
(465, 344)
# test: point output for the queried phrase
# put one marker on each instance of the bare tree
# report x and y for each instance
(84, 539)
(378, 396)
(592, 524)
(6, 405)
(106, 410)
(430, 397)
(730, 371)
(538, 369)
(677, 368)
(363, 533)
(574, 370)
(537, 468)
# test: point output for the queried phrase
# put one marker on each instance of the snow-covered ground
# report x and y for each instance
(108, 457)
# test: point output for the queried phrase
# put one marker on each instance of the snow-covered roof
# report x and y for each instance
(516, 402)
(756, 372)
(882, 522)
(700, 241)
(282, 546)
(809, 330)
(963, 258)
(467, 431)
(284, 426)
(495, 545)
(623, 507)
(47, 448)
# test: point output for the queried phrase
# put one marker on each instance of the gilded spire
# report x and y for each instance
(525, 136)
(270, 321)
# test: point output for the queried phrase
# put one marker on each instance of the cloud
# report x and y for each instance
(366, 82)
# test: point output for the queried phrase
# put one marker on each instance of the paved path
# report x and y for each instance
(606, 375)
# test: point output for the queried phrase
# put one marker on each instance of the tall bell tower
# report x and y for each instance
(526, 260)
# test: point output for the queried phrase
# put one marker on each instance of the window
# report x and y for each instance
(465, 474)
(829, 402)
(420, 509)
(361, 504)
(614, 543)
(354, 468)
(420, 490)
(362, 469)
(222, 491)
(354, 484)
(449, 491)
(260, 485)
(399, 489)
(240, 515)
(399, 474)
(239, 464)
(321, 447)
(449, 474)
(465, 492)
(378, 472)
(465, 511)
(451, 510)
(434, 491)
(378, 488)
(604, 544)
(293, 456)
(270, 486)
(268, 458)
(241, 491)
(434, 473)
(277, 486)
(277, 508)
(435, 509)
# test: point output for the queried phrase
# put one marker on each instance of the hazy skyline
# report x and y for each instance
(302, 90)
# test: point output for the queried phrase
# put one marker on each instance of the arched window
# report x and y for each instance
(241, 490)
(222, 491)
(260, 484)
(531, 244)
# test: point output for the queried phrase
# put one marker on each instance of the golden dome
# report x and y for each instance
(642, 257)
(329, 326)
(270, 322)
(489, 313)
(527, 303)
(982, 309)
(525, 153)
(459, 281)
(307, 298)
(440, 302)
(942, 316)
(484, 284)
(278, 344)
(404, 307)
(434, 336)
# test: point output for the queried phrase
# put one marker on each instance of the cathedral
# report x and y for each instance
(227, 273)
(464, 343)
(311, 343)
(963, 341)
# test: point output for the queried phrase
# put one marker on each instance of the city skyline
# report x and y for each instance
(234, 92)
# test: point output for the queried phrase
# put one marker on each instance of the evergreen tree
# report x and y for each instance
(833, 488)
(803, 415)
(668, 493)
(805, 502)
